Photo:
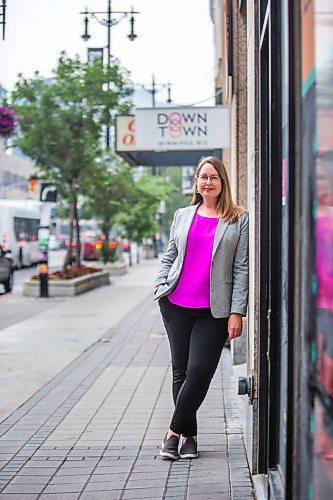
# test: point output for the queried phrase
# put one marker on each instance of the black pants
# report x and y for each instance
(196, 341)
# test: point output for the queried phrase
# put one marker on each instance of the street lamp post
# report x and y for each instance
(3, 17)
(109, 22)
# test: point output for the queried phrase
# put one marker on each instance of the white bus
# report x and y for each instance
(19, 223)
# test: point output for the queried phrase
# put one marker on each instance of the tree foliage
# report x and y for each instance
(105, 195)
(138, 215)
(61, 122)
(176, 199)
(107, 190)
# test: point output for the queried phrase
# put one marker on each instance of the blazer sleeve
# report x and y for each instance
(169, 256)
(241, 270)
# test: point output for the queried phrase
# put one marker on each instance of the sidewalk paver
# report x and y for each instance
(94, 430)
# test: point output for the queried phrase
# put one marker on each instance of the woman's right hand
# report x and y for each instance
(235, 326)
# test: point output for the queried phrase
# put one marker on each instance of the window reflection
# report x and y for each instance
(323, 417)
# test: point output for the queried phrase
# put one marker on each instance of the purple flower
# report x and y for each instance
(7, 121)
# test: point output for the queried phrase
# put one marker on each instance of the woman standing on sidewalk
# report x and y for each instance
(202, 289)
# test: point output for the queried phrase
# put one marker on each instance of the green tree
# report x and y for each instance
(137, 217)
(176, 199)
(104, 197)
(61, 122)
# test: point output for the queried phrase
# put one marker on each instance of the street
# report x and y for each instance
(14, 307)
(56, 258)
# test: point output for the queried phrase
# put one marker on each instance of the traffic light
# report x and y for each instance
(33, 184)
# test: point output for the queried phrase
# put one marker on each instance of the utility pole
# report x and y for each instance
(154, 88)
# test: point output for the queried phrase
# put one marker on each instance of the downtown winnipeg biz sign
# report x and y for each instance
(174, 129)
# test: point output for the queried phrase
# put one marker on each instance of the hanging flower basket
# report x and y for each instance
(7, 121)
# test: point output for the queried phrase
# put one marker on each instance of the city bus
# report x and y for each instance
(19, 223)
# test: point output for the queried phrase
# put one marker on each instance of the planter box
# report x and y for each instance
(113, 268)
(68, 288)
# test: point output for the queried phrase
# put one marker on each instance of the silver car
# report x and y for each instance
(6, 270)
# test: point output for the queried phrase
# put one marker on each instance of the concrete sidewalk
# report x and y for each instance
(93, 431)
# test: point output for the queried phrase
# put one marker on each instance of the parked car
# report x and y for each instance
(88, 247)
(6, 270)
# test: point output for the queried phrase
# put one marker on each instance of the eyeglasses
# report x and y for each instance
(213, 178)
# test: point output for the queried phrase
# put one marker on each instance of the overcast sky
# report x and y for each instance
(175, 42)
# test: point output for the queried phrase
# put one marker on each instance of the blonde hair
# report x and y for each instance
(226, 207)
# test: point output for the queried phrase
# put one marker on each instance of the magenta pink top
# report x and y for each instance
(193, 286)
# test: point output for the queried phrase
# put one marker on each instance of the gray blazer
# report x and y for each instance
(229, 268)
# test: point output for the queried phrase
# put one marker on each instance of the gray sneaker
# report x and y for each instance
(189, 448)
(170, 447)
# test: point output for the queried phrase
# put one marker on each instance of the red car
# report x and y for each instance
(88, 248)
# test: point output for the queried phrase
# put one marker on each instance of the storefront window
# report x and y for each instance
(323, 414)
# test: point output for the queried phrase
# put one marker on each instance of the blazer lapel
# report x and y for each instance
(222, 226)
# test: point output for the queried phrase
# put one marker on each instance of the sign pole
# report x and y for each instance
(48, 195)
(43, 267)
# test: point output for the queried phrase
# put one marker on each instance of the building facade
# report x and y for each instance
(288, 134)
(15, 169)
(15, 172)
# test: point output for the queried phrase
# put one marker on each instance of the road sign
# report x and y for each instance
(48, 192)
